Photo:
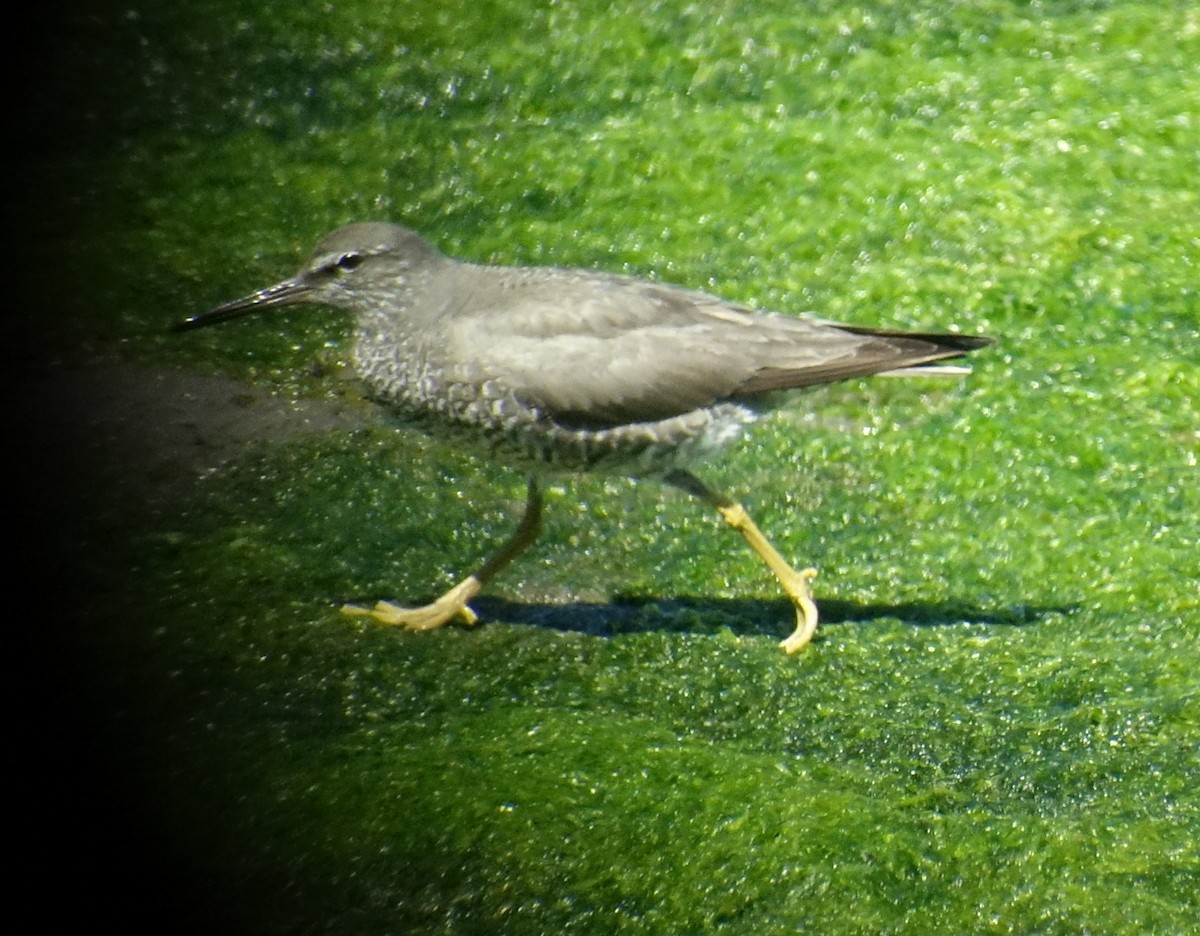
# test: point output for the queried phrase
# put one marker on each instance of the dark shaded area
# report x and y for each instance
(97, 827)
(104, 447)
(749, 617)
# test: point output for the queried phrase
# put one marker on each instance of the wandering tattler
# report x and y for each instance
(575, 370)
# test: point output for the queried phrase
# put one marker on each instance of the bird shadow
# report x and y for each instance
(631, 614)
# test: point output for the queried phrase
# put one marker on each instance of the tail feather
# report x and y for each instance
(894, 353)
(927, 370)
(948, 341)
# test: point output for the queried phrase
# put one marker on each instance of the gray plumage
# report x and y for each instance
(571, 368)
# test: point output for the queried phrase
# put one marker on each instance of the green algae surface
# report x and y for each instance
(997, 728)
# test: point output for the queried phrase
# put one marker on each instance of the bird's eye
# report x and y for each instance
(348, 261)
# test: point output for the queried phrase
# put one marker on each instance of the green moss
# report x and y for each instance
(996, 730)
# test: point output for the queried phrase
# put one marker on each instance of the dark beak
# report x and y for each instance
(286, 293)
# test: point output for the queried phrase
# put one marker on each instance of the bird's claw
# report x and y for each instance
(799, 588)
(429, 617)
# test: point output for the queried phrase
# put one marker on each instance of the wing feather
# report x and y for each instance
(601, 350)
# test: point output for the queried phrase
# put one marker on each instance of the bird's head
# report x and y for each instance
(355, 267)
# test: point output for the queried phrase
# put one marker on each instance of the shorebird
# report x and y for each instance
(553, 369)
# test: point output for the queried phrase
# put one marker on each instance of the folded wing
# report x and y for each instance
(629, 351)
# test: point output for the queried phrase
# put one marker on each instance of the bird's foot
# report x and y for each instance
(798, 586)
(451, 605)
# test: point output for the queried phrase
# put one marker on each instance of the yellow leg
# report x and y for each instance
(455, 602)
(797, 584)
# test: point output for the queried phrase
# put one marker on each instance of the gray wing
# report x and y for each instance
(597, 350)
